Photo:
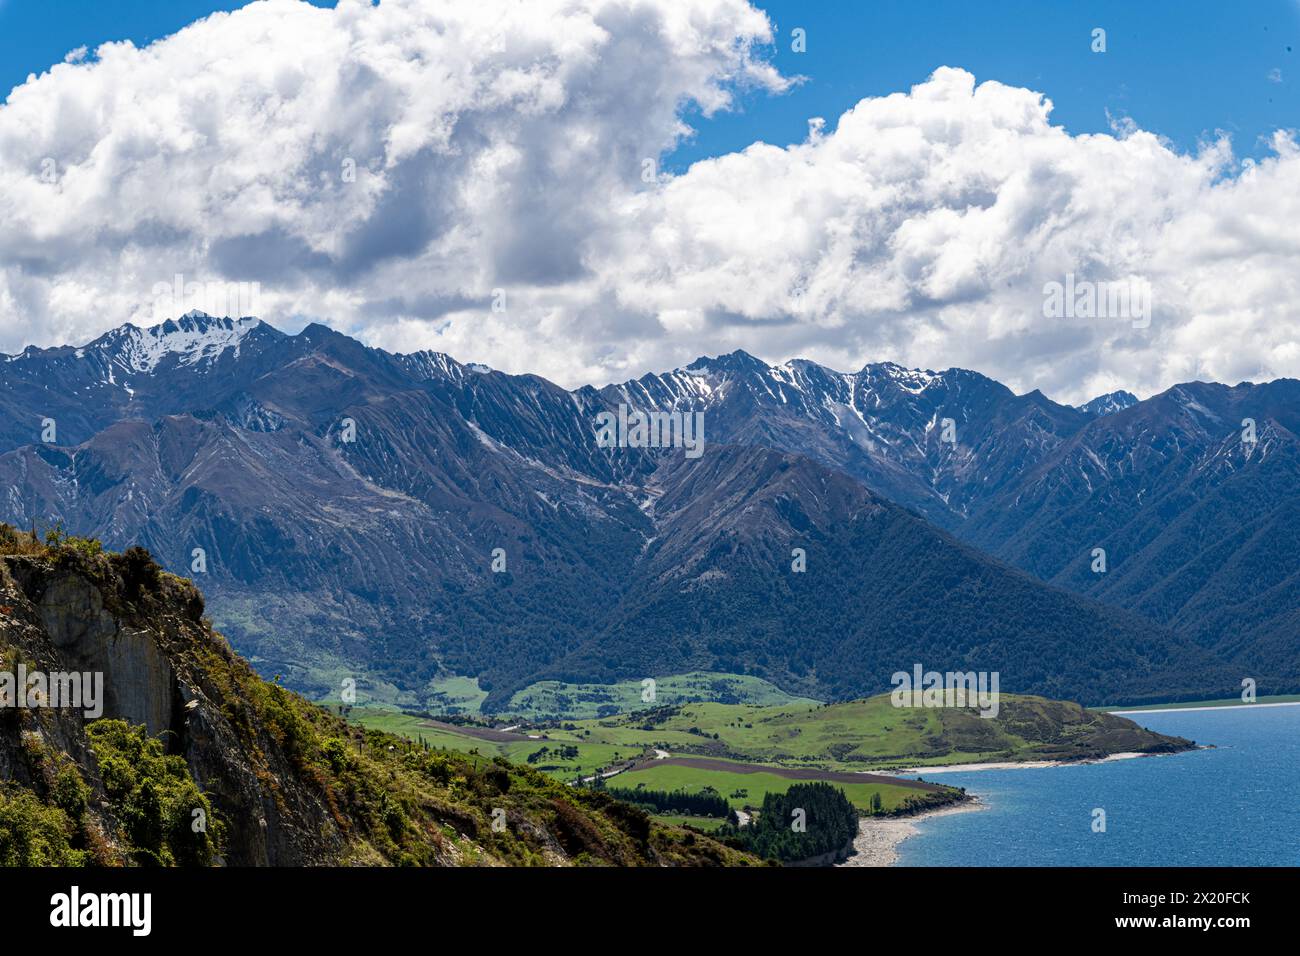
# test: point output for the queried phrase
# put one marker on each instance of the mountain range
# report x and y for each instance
(406, 518)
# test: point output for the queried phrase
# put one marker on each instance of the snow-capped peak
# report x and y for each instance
(914, 380)
(1109, 403)
(194, 338)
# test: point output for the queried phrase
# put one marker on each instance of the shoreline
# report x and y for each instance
(1025, 764)
(1234, 706)
(879, 838)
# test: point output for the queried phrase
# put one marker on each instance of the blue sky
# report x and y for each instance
(37, 33)
(1180, 68)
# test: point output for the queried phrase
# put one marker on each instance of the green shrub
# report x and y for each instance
(33, 834)
(155, 799)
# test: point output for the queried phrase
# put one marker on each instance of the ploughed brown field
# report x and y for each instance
(481, 733)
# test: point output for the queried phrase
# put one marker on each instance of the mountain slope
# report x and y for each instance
(1198, 525)
(882, 591)
(129, 372)
(1109, 403)
(1195, 521)
(885, 424)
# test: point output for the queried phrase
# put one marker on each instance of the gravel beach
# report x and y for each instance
(879, 837)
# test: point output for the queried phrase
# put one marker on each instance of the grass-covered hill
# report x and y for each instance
(871, 733)
(738, 754)
(197, 760)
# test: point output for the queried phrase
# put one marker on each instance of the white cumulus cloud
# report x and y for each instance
(393, 170)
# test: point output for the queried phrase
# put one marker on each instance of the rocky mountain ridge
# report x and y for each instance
(348, 507)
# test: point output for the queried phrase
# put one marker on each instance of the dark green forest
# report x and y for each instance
(806, 821)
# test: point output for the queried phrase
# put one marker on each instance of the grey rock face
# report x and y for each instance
(138, 681)
(149, 650)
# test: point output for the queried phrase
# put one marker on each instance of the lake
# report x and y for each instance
(1235, 805)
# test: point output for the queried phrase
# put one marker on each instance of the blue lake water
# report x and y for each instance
(1235, 805)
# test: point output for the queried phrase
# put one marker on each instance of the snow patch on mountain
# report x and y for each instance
(194, 338)
(912, 380)
(427, 364)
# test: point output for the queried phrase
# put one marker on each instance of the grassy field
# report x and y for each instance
(746, 790)
(553, 700)
(564, 759)
(565, 755)
(854, 735)
(799, 734)
(455, 695)
(585, 701)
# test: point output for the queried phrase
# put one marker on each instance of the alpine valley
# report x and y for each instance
(412, 521)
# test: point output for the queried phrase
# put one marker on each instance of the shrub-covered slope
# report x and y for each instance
(197, 760)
